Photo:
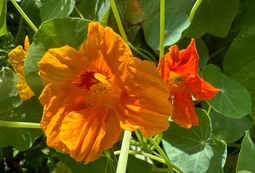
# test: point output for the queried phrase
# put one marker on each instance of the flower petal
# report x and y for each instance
(58, 100)
(144, 101)
(105, 49)
(183, 110)
(88, 132)
(62, 65)
(200, 89)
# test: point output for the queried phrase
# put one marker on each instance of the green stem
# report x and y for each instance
(140, 139)
(151, 58)
(78, 11)
(209, 110)
(123, 158)
(19, 124)
(118, 20)
(170, 166)
(162, 28)
(143, 154)
(194, 9)
(23, 14)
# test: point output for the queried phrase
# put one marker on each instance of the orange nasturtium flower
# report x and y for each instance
(179, 70)
(17, 57)
(93, 93)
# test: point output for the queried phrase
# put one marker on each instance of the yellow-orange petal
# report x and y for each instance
(88, 132)
(144, 103)
(105, 49)
(200, 89)
(62, 65)
(17, 57)
(58, 99)
(183, 110)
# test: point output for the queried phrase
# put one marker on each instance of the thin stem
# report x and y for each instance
(23, 14)
(163, 155)
(194, 9)
(209, 110)
(19, 124)
(139, 137)
(143, 154)
(162, 28)
(123, 158)
(78, 11)
(118, 20)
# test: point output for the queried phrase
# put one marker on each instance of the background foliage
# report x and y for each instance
(224, 32)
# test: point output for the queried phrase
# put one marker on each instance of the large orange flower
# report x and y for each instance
(17, 57)
(93, 93)
(179, 70)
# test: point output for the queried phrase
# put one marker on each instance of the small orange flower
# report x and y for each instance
(179, 70)
(93, 93)
(17, 57)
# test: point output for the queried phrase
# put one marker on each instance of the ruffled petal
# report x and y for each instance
(201, 89)
(58, 100)
(144, 101)
(62, 65)
(188, 61)
(105, 49)
(17, 57)
(88, 132)
(183, 110)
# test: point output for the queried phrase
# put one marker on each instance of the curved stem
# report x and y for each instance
(162, 28)
(163, 155)
(118, 20)
(78, 11)
(19, 124)
(209, 110)
(194, 9)
(122, 162)
(23, 14)
(139, 137)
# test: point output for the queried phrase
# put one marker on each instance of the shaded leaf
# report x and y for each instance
(239, 60)
(101, 165)
(228, 129)
(246, 157)
(214, 17)
(52, 34)
(195, 149)
(14, 109)
(136, 165)
(55, 9)
(233, 100)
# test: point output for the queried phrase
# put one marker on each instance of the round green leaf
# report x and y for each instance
(233, 100)
(175, 24)
(195, 149)
(55, 9)
(228, 129)
(52, 34)
(246, 157)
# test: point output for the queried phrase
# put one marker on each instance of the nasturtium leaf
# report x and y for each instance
(52, 34)
(136, 165)
(102, 164)
(239, 61)
(62, 168)
(233, 100)
(3, 27)
(55, 9)
(1, 153)
(195, 149)
(227, 129)
(95, 10)
(14, 109)
(32, 10)
(246, 157)
(214, 17)
(175, 24)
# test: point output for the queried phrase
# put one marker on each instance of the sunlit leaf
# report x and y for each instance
(101, 165)
(195, 149)
(214, 17)
(14, 109)
(233, 100)
(246, 157)
(228, 129)
(55, 9)
(52, 34)
(175, 24)
(3, 27)
(239, 61)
